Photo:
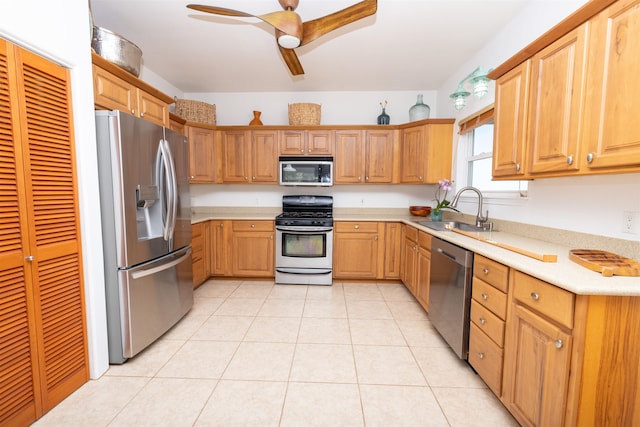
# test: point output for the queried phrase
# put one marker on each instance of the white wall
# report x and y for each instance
(37, 25)
(337, 107)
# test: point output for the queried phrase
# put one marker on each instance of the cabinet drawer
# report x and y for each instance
(486, 358)
(356, 227)
(547, 299)
(412, 234)
(252, 225)
(424, 239)
(488, 322)
(491, 272)
(490, 297)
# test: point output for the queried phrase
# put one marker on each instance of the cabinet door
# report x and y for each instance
(219, 244)
(363, 240)
(557, 91)
(152, 109)
(611, 134)
(200, 254)
(378, 156)
(252, 249)
(349, 160)
(412, 161)
(409, 264)
(113, 93)
(393, 250)
(509, 132)
(320, 142)
(291, 142)
(537, 361)
(423, 270)
(201, 154)
(235, 157)
(264, 156)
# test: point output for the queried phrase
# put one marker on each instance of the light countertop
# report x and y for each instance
(564, 273)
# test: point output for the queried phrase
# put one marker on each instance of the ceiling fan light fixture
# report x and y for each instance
(288, 41)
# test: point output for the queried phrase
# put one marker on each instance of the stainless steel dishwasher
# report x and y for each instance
(450, 293)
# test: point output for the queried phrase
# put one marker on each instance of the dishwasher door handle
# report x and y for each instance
(445, 253)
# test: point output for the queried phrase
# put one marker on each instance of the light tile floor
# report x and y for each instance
(253, 353)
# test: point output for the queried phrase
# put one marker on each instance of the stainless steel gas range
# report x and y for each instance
(304, 240)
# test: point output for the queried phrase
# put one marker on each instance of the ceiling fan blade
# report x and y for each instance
(219, 10)
(291, 59)
(286, 21)
(318, 27)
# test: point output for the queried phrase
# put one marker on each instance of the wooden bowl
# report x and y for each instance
(420, 210)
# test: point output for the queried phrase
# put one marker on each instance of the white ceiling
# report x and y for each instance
(408, 45)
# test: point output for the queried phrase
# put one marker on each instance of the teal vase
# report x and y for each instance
(419, 111)
(436, 215)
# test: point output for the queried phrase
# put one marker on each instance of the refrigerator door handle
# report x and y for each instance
(174, 188)
(162, 267)
(164, 178)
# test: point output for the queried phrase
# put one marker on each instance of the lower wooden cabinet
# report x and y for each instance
(252, 249)
(359, 249)
(393, 249)
(409, 257)
(423, 270)
(219, 244)
(200, 255)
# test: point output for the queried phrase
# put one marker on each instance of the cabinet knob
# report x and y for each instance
(302, 150)
(221, 225)
(558, 343)
(193, 177)
(484, 296)
(485, 270)
(535, 296)
(570, 160)
(517, 167)
(30, 258)
(482, 321)
(419, 178)
(253, 226)
(253, 178)
(142, 114)
(309, 151)
(359, 178)
(246, 178)
(375, 238)
(366, 178)
(589, 157)
(133, 111)
(480, 355)
(356, 226)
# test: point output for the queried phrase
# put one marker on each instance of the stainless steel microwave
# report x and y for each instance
(309, 171)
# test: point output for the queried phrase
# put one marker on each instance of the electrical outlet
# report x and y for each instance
(630, 222)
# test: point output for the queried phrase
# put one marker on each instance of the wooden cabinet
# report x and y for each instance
(359, 249)
(416, 264)
(115, 89)
(42, 321)
(318, 142)
(177, 124)
(249, 156)
(538, 351)
(555, 109)
(510, 123)
(488, 316)
(611, 137)
(202, 154)
(200, 255)
(393, 249)
(364, 157)
(409, 257)
(252, 249)
(426, 153)
(219, 245)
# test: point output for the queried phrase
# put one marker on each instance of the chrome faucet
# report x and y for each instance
(480, 220)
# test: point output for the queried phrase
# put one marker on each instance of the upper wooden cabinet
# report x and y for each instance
(510, 122)
(426, 153)
(364, 157)
(557, 88)
(580, 112)
(306, 142)
(249, 156)
(115, 89)
(202, 154)
(611, 136)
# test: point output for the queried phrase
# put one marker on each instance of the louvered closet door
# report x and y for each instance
(18, 402)
(53, 218)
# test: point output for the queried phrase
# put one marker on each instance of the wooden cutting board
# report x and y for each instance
(534, 255)
(607, 263)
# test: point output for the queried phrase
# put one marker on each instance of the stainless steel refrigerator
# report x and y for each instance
(146, 230)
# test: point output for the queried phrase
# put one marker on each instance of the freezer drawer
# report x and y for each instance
(154, 296)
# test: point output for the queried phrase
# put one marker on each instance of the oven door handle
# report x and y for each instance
(303, 230)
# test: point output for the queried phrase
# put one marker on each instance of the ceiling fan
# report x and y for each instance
(291, 32)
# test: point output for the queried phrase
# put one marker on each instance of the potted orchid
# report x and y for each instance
(444, 186)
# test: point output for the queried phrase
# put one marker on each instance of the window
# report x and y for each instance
(475, 149)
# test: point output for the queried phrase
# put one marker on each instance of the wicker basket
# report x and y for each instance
(304, 114)
(196, 111)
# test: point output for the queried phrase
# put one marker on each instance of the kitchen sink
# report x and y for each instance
(448, 225)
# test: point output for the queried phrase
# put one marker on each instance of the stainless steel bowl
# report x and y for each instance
(115, 48)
